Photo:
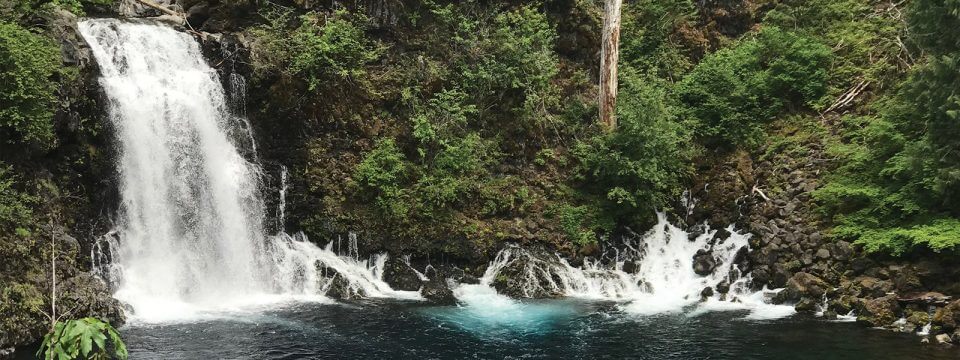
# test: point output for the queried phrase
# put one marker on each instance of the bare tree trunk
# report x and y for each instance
(53, 276)
(609, 54)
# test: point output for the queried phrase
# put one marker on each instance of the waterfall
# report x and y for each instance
(190, 230)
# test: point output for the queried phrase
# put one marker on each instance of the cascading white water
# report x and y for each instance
(191, 219)
(664, 282)
(190, 232)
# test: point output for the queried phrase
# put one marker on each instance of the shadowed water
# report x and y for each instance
(544, 329)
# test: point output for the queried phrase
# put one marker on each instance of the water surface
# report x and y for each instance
(542, 329)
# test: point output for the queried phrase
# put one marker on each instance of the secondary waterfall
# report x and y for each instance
(190, 230)
(664, 280)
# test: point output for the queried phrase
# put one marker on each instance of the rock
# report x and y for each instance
(906, 280)
(929, 298)
(803, 285)
(918, 319)
(723, 287)
(943, 339)
(823, 254)
(401, 276)
(198, 14)
(133, 8)
(707, 292)
(878, 312)
(830, 315)
(843, 304)
(89, 295)
(720, 235)
(871, 287)
(438, 291)
(806, 305)
(704, 262)
(948, 317)
(630, 267)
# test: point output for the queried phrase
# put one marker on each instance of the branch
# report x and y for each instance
(162, 8)
(757, 190)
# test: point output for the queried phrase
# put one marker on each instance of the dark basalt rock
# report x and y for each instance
(704, 263)
(401, 276)
(803, 286)
(438, 291)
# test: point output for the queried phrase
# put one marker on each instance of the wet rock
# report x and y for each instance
(630, 267)
(830, 315)
(806, 305)
(943, 339)
(723, 287)
(948, 317)
(438, 291)
(704, 262)
(400, 276)
(843, 304)
(918, 319)
(707, 292)
(878, 312)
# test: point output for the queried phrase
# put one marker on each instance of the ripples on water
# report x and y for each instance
(542, 329)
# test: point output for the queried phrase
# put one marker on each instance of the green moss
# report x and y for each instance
(29, 64)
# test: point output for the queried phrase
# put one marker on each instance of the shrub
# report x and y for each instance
(735, 91)
(382, 174)
(29, 64)
(319, 49)
(642, 164)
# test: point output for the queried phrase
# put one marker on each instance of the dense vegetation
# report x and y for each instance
(482, 123)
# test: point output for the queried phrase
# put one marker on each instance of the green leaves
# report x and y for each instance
(85, 338)
(735, 91)
(29, 64)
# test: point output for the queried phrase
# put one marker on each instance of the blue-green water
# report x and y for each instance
(565, 329)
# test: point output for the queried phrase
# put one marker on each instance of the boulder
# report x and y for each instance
(401, 276)
(943, 339)
(704, 263)
(878, 312)
(803, 285)
(438, 291)
(948, 317)
(871, 287)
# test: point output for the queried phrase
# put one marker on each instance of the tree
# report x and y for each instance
(609, 55)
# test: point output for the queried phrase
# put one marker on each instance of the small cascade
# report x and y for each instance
(282, 202)
(307, 269)
(664, 281)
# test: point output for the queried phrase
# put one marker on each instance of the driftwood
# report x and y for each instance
(163, 9)
(609, 55)
(848, 96)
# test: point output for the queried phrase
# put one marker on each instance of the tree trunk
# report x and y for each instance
(609, 53)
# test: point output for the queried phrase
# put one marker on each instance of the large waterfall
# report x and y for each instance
(190, 233)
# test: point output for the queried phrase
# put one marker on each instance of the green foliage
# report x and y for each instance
(646, 36)
(899, 185)
(581, 224)
(15, 206)
(29, 64)
(382, 174)
(735, 91)
(640, 166)
(320, 49)
(863, 38)
(87, 338)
